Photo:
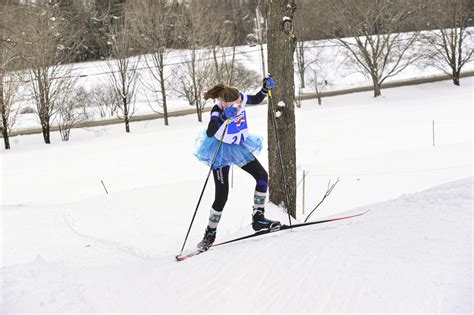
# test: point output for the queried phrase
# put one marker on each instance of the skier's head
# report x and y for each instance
(222, 92)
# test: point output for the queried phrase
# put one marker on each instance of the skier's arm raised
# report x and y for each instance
(268, 84)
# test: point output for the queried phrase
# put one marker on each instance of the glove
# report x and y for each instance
(268, 83)
(230, 112)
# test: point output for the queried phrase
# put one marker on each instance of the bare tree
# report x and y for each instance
(281, 131)
(153, 22)
(217, 41)
(450, 46)
(123, 73)
(301, 62)
(8, 93)
(370, 31)
(104, 99)
(224, 66)
(310, 23)
(194, 75)
(192, 78)
(242, 77)
(71, 112)
(183, 84)
(323, 59)
(9, 62)
(222, 42)
(48, 46)
(319, 83)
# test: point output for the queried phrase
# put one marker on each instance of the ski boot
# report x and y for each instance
(208, 240)
(259, 222)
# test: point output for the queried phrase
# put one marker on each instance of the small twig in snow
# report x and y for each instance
(104, 186)
(328, 192)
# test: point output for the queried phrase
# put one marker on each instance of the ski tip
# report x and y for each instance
(182, 257)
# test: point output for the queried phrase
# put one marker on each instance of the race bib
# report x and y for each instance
(237, 131)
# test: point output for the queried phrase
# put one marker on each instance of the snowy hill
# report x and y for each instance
(406, 255)
(68, 247)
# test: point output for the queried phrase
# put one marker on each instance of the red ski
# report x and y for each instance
(263, 232)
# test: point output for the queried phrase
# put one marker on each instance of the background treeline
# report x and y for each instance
(40, 40)
(313, 19)
(316, 17)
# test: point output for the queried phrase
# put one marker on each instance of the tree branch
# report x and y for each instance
(328, 192)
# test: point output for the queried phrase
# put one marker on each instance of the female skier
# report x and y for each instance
(229, 123)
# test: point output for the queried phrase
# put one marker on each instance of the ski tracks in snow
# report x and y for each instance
(108, 244)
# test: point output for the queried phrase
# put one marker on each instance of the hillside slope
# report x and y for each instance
(410, 254)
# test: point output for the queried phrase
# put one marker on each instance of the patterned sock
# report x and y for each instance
(214, 218)
(259, 199)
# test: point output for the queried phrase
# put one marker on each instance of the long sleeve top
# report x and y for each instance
(217, 113)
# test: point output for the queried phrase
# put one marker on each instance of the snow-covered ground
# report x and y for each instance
(68, 247)
(325, 56)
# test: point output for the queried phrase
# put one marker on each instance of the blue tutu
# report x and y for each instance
(229, 154)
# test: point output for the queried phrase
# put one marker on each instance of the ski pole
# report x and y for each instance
(205, 184)
(280, 155)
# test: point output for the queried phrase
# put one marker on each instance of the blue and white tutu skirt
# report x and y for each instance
(229, 154)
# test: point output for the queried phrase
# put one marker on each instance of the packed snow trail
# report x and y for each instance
(411, 254)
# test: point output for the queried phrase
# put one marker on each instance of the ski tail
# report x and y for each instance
(324, 221)
(289, 227)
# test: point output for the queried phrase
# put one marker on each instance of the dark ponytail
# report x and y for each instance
(214, 92)
(223, 92)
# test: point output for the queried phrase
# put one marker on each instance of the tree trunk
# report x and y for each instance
(195, 88)
(43, 102)
(377, 90)
(456, 78)
(198, 104)
(232, 65)
(163, 91)
(281, 48)
(377, 86)
(216, 64)
(46, 131)
(6, 138)
(301, 62)
(3, 108)
(125, 115)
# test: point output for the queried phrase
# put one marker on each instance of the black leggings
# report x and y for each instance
(221, 180)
